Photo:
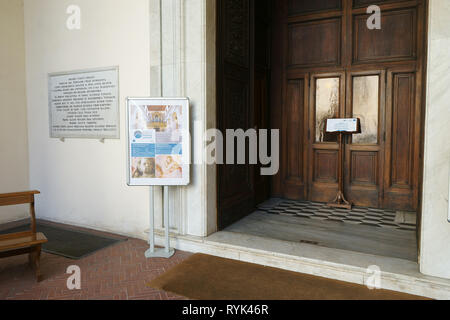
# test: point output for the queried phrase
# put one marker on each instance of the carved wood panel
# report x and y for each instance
(315, 43)
(294, 119)
(396, 40)
(293, 139)
(402, 133)
(308, 6)
(325, 166)
(366, 3)
(364, 168)
(401, 176)
(236, 31)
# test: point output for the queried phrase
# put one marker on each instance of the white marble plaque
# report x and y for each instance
(84, 104)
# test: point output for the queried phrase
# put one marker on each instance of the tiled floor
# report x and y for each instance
(320, 211)
(118, 272)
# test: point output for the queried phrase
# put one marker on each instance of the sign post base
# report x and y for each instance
(161, 253)
(340, 202)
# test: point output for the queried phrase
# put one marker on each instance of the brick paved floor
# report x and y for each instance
(117, 272)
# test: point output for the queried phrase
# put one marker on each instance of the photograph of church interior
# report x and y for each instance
(357, 214)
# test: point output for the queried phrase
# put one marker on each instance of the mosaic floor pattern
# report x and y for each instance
(320, 211)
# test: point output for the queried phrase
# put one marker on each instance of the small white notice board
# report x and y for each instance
(343, 125)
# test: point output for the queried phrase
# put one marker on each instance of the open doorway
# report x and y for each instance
(292, 64)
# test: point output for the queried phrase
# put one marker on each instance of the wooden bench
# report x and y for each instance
(29, 242)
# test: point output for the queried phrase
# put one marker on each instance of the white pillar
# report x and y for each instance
(182, 55)
(435, 248)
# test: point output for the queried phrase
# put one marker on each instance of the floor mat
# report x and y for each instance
(204, 277)
(69, 243)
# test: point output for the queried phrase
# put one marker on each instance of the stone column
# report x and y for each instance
(182, 55)
(435, 249)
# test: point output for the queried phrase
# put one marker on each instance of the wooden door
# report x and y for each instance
(243, 74)
(261, 85)
(364, 153)
(404, 134)
(327, 100)
(327, 63)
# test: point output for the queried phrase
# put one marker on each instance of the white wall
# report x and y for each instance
(435, 251)
(83, 182)
(13, 110)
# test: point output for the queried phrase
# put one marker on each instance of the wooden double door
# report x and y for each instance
(292, 64)
(327, 64)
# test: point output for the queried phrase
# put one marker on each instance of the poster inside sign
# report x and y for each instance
(158, 148)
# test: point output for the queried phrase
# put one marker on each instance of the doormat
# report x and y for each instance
(203, 277)
(69, 243)
(320, 211)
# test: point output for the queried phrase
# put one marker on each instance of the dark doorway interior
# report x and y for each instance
(243, 83)
(291, 64)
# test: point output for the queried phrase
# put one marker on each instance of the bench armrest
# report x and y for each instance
(18, 194)
(16, 198)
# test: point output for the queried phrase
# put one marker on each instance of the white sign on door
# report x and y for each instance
(342, 125)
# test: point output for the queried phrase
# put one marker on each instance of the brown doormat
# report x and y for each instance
(203, 277)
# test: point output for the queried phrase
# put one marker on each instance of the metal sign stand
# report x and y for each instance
(152, 252)
(340, 201)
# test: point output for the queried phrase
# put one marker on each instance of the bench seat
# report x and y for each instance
(21, 240)
(29, 242)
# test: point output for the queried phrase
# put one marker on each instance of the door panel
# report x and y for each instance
(235, 182)
(325, 166)
(366, 3)
(262, 183)
(401, 146)
(327, 106)
(396, 40)
(308, 6)
(293, 138)
(364, 168)
(366, 107)
(314, 43)
(261, 80)
(243, 66)
(363, 164)
(327, 101)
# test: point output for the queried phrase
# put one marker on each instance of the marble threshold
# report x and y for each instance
(396, 274)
